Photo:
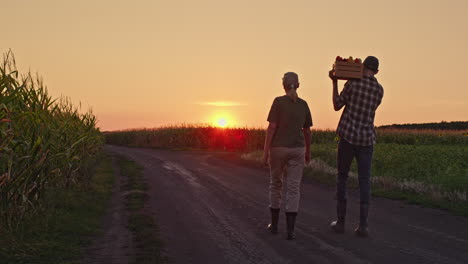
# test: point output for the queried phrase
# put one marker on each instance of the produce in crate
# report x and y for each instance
(345, 69)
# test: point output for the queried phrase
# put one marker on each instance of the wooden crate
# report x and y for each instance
(348, 70)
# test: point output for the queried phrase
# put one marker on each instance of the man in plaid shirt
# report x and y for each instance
(360, 97)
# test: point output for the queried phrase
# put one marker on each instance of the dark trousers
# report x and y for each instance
(363, 154)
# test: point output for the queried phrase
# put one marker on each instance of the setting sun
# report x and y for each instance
(222, 119)
(222, 122)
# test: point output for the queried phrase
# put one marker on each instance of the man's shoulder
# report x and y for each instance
(301, 101)
(378, 86)
(369, 81)
(281, 98)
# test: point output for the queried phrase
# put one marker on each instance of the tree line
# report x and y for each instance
(455, 125)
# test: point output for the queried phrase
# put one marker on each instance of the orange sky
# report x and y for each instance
(148, 63)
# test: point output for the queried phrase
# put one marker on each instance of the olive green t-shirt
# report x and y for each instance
(290, 117)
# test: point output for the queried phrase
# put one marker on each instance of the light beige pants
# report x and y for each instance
(288, 164)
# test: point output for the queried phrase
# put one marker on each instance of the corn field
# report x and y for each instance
(191, 137)
(251, 139)
(44, 142)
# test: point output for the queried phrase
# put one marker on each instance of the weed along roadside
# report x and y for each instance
(63, 225)
(147, 244)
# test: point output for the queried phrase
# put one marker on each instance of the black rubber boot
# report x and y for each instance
(273, 226)
(290, 222)
(339, 225)
(362, 230)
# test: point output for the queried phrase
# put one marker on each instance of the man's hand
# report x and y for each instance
(307, 157)
(332, 76)
(265, 161)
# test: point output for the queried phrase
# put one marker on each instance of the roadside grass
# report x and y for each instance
(145, 232)
(438, 165)
(429, 175)
(63, 225)
(392, 192)
(444, 166)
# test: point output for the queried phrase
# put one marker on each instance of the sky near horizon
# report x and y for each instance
(149, 63)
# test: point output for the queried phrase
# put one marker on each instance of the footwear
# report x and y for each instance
(361, 231)
(339, 225)
(273, 226)
(290, 222)
(363, 215)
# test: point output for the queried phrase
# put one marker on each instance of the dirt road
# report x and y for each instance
(213, 208)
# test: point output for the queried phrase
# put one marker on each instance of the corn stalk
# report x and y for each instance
(44, 142)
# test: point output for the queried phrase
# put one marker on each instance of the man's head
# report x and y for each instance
(290, 80)
(372, 63)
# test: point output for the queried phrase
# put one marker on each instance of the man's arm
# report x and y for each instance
(268, 139)
(337, 104)
(307, 134)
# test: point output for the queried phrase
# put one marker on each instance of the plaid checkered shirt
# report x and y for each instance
(360, 98)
